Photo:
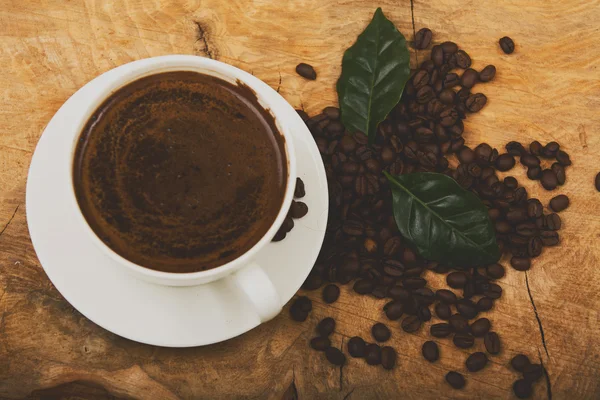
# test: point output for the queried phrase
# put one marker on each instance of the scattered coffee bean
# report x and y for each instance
(469, 78)
(534, 173)
(443, 311)
(300, 308)
(455, 379)
(533, 372)
(430, 351)
(423, 38)
(559, 203)
(331, 293)
(549, 179)
(388, 357)
(563, 158)
(522, 389)
(437, 56)
(394, 310)
(487, 74)
(335, 356)
(462, 59)
(520, 362)
(440, 330)
(494, 271)
(326, 326)
(534, 208)
(373, 354)
(466, 308)
(476, 102)
(515, 149)
(320, 343)
(560, 173)
(332, 113)
(306, 71)
(357, 347)
(463, 340)
(380, 332)
(459, 323)
(485, 304)
(410, 324)
(491, 340)
(520, 263)
(298, 209)
(480, 327)
(529, 160)
(549, 238)
(476, 361)
(446, 296)
(299, 190)
(535, 148)
(364, 286)
(550, 150)
(507, 45)
(597, 181)
(504, 162)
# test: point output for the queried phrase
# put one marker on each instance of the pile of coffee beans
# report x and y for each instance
(298, 209)
(551, 177)
(362, 244)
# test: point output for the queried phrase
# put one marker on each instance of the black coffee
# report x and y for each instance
(180, 171)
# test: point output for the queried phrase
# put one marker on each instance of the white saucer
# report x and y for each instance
(159, 315)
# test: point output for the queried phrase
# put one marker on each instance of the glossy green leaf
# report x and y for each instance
(444, 222)
(374, 72)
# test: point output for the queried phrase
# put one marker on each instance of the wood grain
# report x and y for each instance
(547, 90)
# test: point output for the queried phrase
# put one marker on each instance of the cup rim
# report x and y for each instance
(130, 72)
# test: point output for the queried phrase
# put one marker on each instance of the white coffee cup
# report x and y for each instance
(247, 274)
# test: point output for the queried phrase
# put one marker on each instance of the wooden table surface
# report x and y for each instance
(549, 89)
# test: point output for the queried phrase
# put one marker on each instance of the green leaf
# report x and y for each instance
(445, 222)
(374, 72)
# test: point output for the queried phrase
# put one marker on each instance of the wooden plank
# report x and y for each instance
(548, 90)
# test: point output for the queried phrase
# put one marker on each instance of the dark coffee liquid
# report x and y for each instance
(180, 172)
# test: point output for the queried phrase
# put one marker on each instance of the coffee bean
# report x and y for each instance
(476, 361)
(456, 280)
(487, 74)
(373, 354)
(455, 379)
(300, 308)
(515, 149)
(459, 323)
(306, 71)
(527, 229)
(466, 308)
(504, 162)
(448, 117)
(559, 203)
(332, 113)
(469, 78)
(529, 160)
(491, 340)
(535, 148)
(549, 238)
(534, 247)
(279, 236)
(320, 343)
(394, 310)
(422, 38)
(364, 286)
(430, 351)
(550, 150)
(553, 222)
(380, 332)
(520, 263)
(443, 311)
(563, 158)
(424, 313)
(414, 283)
(560, 173)
(516, 215)
(507, 45)
(480, 327)
(425, 95)
(447, 96)
(549, 179)
(357, 347)
(288, 224)
(485, 304)
(335, 356)
(299, 190)
(522, 389)
(476, 102)
(399, 293)
(534, 173)
(534, 208)
(410, 324)
(420, 79)
(503, 227)
(466, 155)
(440, 330)
(331, 293)
(520, 362)
(597, 181)
(437, 55)
(463, 340)
(298, 209)
(388, 357)
(494, 271)
(462, 59)
(533, 372)
(446, 296)
(326, 326)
